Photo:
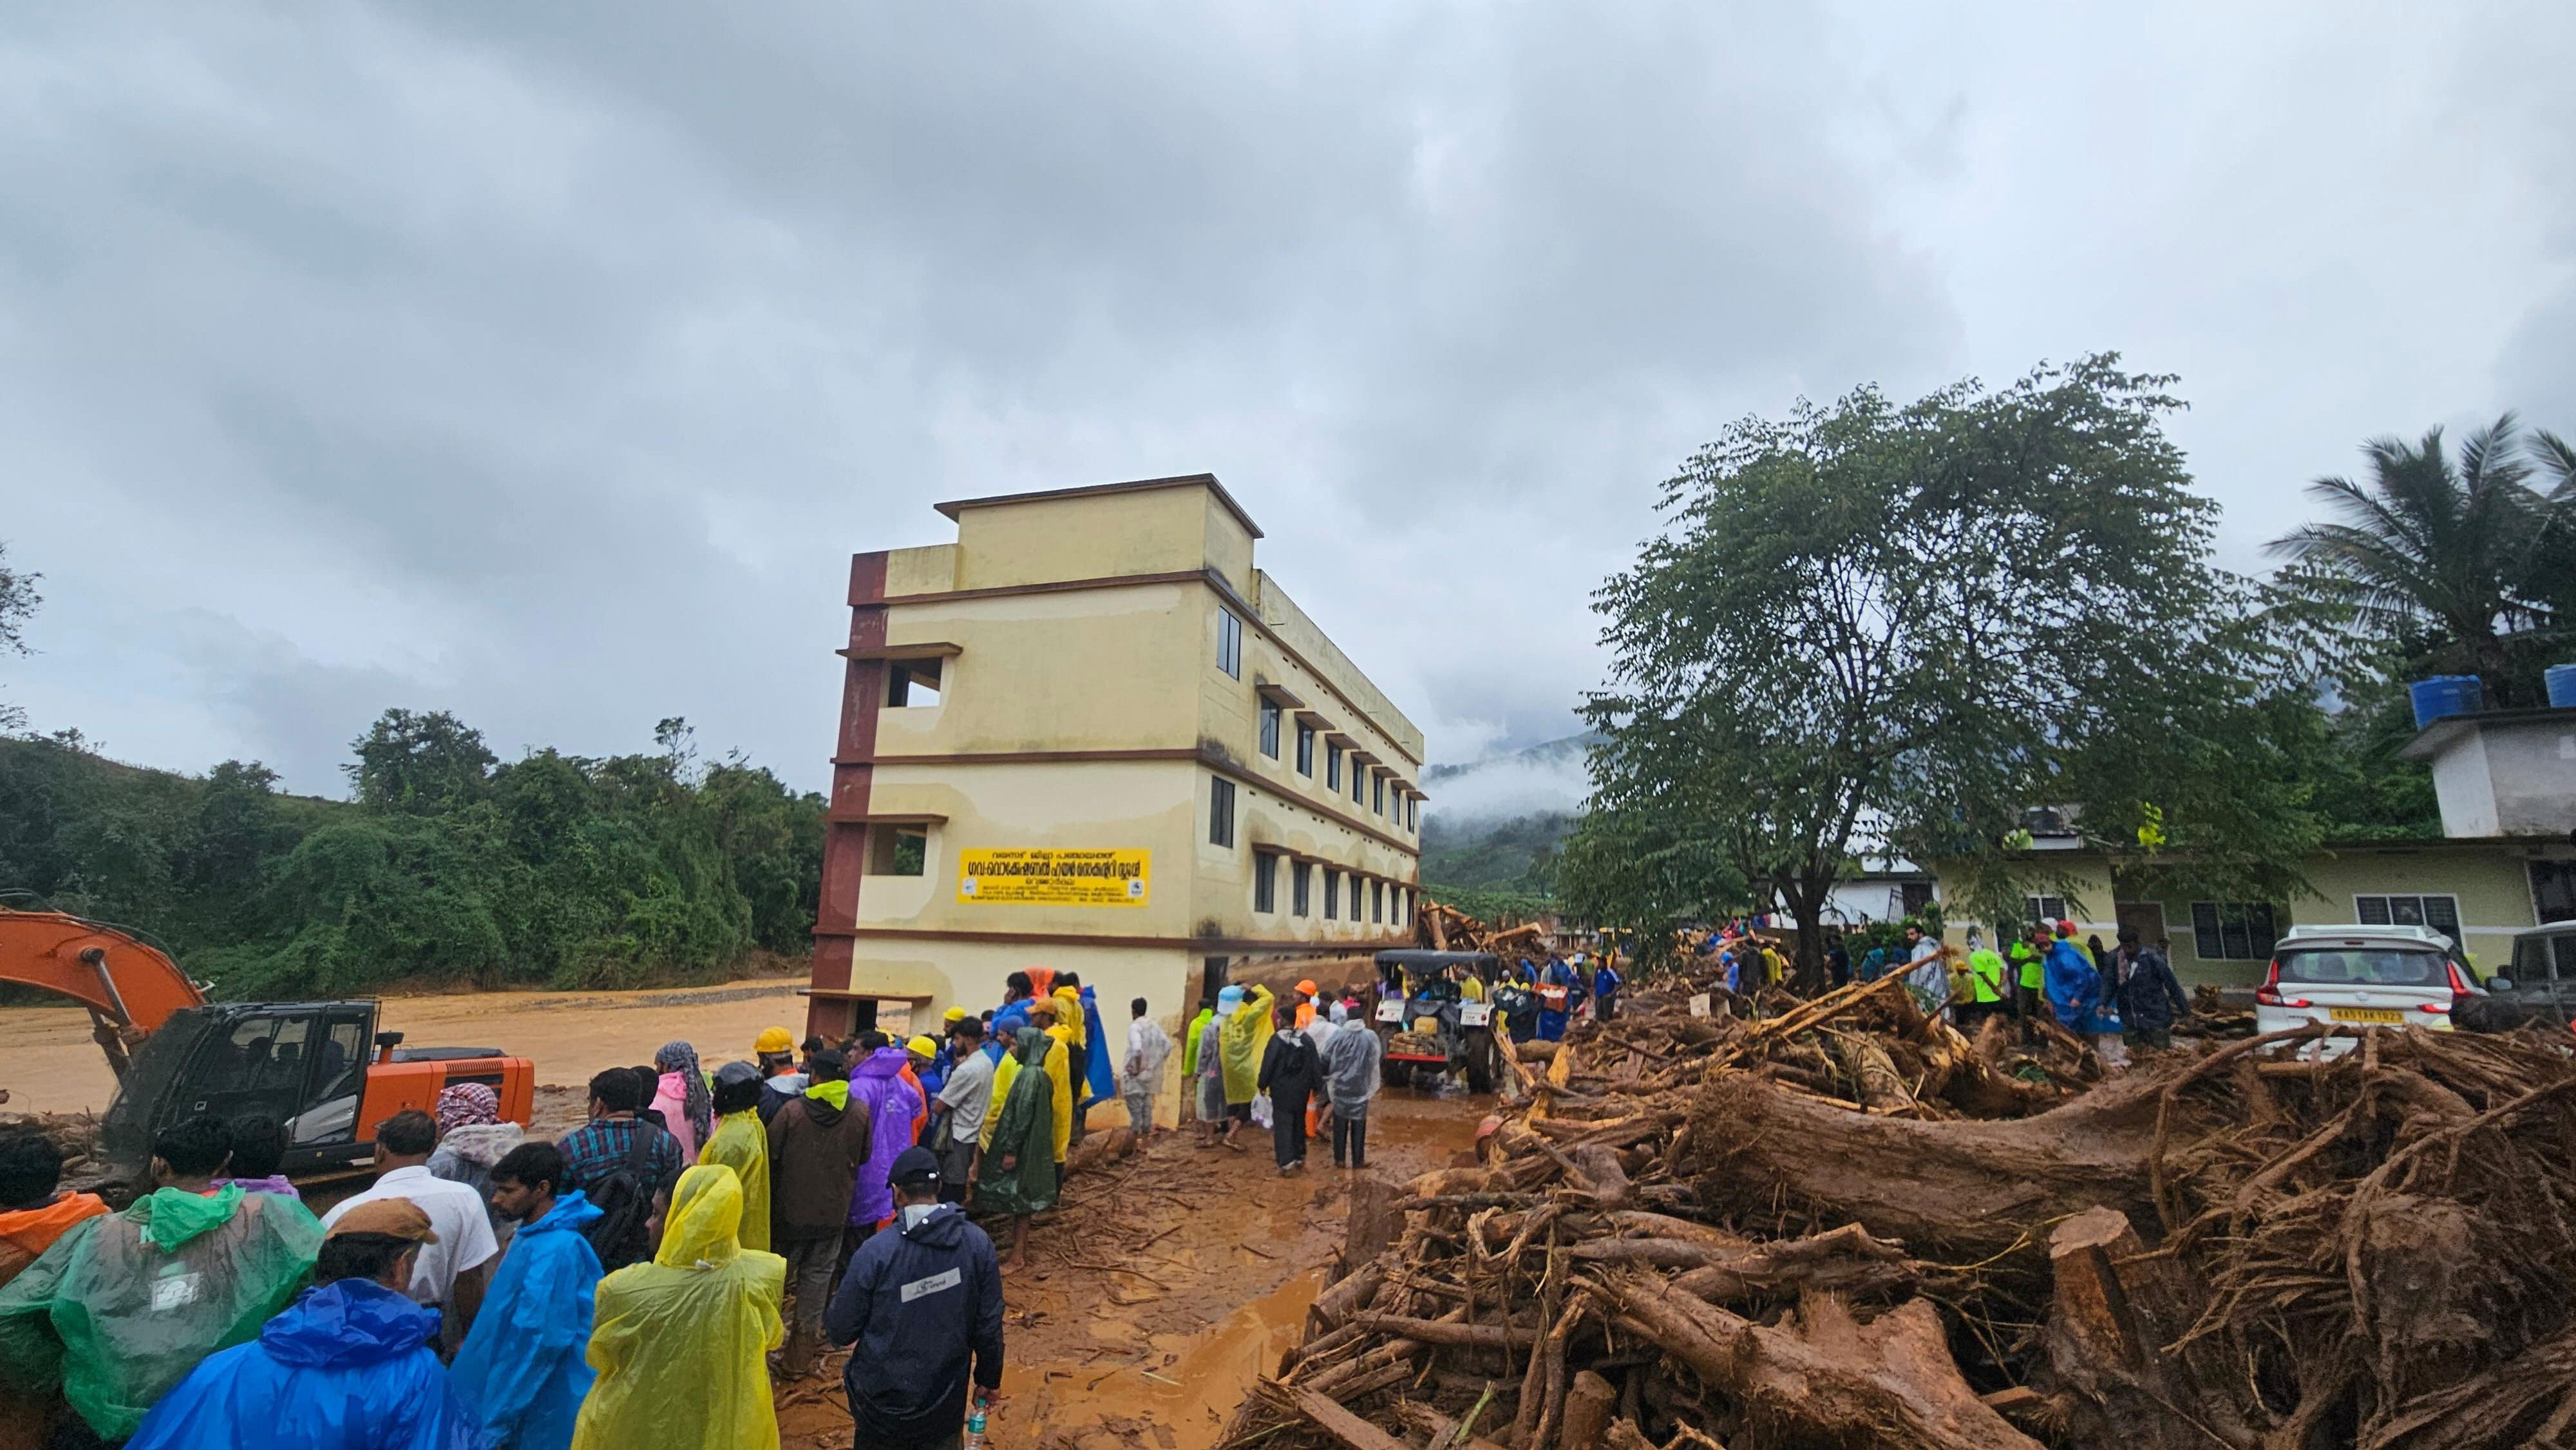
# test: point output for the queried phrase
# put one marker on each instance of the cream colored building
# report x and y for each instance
(1091, 735)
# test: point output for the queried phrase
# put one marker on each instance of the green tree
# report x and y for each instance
(18, 601)
(418, 764)
(1895, 629)
(2443, 563)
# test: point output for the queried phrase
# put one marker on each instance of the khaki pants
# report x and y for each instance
(810, 1264)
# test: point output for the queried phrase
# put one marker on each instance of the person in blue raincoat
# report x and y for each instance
(347, 1366)
(1100, 1075)
(521, 1371)
(2074, 986)
(1556, 984)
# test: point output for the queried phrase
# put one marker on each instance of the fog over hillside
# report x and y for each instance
(1546, 778)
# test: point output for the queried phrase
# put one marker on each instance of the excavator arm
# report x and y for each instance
(129, 986)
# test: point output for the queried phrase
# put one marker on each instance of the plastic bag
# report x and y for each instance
(1261, 1110)
(119, 1310)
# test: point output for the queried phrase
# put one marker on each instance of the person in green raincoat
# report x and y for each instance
(1190, 1055)
(680, 1343)
(121, 1307)
(1019, 1176)
(741, 1143)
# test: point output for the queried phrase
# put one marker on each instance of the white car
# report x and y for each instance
(2362, 976)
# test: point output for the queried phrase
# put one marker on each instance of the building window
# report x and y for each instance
(1407, 918)
(1413, 813)
(1305, 748)
(1377, 902)
(1332, 894)
(1377, 795)
(1265, 881)
(1229, 643)
(1270, 730)
(2553, 891)
(1332, 767)
(911, 683)
(2046, 910)
(1220, 811)
(898, 850)
(2442, 913)
(2232, 931)
(1301, 876)
(1913, 897)
(1359, 793)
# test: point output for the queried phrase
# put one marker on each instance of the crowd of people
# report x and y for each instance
(2121, 997)
(645, 1280)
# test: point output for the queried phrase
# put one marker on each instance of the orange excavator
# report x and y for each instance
(321, 1068)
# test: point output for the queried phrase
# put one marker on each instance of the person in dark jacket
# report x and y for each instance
(1290, 1073)
(923, 1304)
(816, 1144)
(2150, 995)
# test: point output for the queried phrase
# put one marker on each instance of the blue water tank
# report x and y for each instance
(2562, 686)
(2445, 695)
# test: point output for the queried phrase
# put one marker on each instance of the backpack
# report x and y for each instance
(624, 1198)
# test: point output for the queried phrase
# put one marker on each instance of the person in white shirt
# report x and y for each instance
(964, 1099)
(450, 1273)
(1140, 1077)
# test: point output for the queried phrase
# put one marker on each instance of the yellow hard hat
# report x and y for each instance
(923, 1046)
(772, 1042)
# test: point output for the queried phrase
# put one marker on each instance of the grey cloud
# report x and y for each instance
(546, 363)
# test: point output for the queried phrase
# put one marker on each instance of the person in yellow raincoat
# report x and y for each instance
(741, 1143)
(1041, 1016)
(679, 1344)
(1240, 1041)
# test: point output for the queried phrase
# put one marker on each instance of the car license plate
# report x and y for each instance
(2388, 1015)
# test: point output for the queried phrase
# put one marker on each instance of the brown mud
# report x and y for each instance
(52, 1066)
(1165, 1284)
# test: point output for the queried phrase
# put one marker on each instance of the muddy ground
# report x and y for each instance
(1155, 1345)
(1157, 1292)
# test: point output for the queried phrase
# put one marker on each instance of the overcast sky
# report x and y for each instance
(546, 363)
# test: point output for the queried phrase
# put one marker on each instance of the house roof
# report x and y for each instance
(2443, 733)
(1139, 485)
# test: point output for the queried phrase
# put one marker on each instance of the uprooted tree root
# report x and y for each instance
(1838, 1223)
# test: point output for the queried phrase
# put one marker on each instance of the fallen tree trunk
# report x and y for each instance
(2115, 1309)
(1823, 1375)
(1973, 1190)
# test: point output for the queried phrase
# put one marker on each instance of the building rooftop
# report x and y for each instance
(1207, 481)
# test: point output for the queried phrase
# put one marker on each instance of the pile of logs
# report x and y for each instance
(1835, 1223)
(1443, 928)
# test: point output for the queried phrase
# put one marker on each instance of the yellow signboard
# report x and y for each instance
(1037, 875)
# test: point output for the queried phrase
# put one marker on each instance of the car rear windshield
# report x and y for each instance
(2365, 967)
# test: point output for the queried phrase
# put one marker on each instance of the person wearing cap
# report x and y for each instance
(1305, 1004)
(347, 1366)
(775, 1053)
(923, 1305)
(451, 1270)
(521, 1371)
(816, 1144)
(678, 1343)
(741, 1143)
(926, 1066)
(2074, 988)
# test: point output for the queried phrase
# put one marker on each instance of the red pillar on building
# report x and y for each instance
(845, 829)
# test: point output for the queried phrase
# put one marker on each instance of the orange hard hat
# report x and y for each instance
(1307, 987)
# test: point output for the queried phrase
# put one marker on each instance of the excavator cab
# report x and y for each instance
(320, 1068)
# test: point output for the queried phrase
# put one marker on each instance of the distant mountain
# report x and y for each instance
(1544, 779)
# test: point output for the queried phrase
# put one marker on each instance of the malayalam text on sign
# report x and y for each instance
(1036, 875)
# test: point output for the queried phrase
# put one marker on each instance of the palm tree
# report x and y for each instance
(2443, 560)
